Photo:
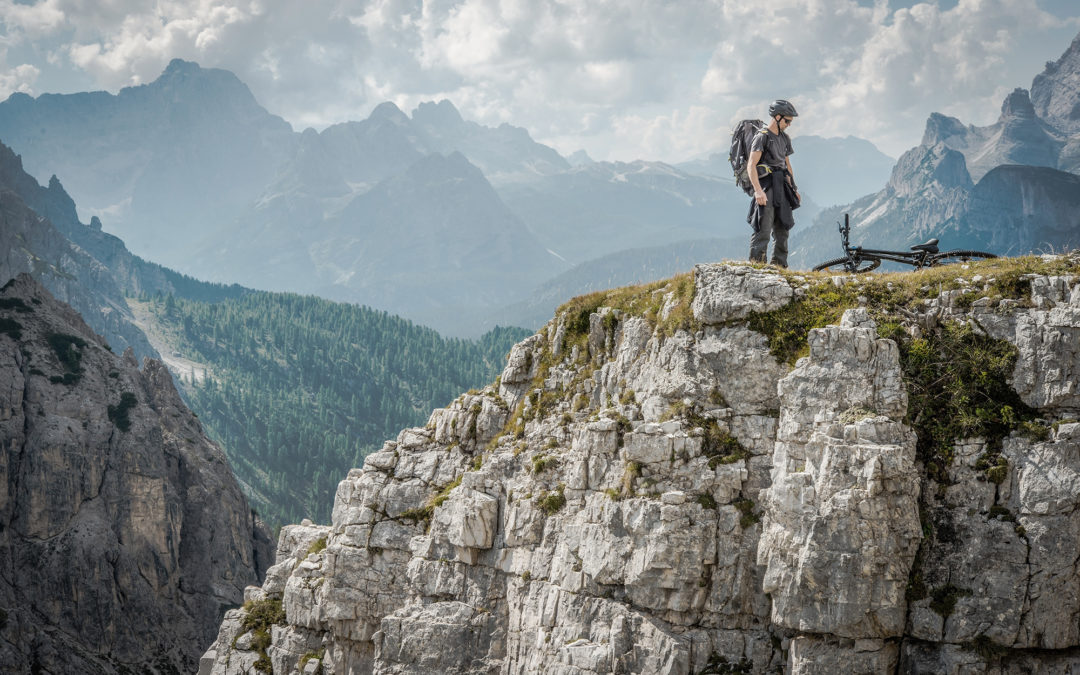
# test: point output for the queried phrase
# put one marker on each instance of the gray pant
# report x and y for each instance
(759, 241)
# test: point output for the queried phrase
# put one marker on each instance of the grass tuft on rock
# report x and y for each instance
(958, 387)
(552, 502)
(423, 513)
(260, 616)
(646, 300)
(317, 546)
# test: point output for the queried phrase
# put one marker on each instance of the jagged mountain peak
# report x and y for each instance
(940, 128)
(442, 115)
(389, 111)
(1017, 105)
(1069, 59)
(180, 67)
(929, 167)
(579, 157)
(188, 82)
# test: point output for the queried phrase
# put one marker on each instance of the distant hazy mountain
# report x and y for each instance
(504, 153)
(829, 170)
(1007, 188)
(433, 243)
(633, 266)
(598, 208)
(92, 271)
(579, 157)
(192, 172)
(162, 163)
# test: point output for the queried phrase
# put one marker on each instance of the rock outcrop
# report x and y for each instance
(656, 485)
(123, 534)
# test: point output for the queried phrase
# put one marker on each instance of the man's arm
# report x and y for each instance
(751, 171)
(791, 176)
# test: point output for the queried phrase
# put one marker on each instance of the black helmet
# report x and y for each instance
(782, 107)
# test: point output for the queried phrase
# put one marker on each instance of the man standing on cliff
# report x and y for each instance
(775, 194)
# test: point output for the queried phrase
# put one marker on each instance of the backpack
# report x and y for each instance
(742, 136)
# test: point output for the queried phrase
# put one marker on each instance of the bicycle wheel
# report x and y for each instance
(842, 265)
(955, 257)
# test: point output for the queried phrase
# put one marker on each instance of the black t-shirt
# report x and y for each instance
(774, 148)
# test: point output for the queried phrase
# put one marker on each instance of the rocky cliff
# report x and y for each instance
(123, 534)
(735, 471)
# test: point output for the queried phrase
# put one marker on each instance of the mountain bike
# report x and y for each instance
(858, 259)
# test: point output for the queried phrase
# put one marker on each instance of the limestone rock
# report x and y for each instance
(728, 292)
(650, 502)
(841, 525)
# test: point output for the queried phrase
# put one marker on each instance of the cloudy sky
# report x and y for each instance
(621, 79)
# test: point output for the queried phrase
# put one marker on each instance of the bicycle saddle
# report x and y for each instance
(929, 247)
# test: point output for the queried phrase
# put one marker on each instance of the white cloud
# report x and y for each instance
(880, 73)
(32, 20)
(18, 79)
(620, 78)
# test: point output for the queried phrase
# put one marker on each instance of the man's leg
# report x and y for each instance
(759, 241)
(779, 252)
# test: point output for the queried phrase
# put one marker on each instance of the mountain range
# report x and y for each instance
(1009, 188)
(297, 389)
(413, 214)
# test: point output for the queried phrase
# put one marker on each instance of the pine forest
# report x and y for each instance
(298, 389)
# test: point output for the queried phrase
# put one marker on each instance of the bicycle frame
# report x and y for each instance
(855, 254)
(857, 260)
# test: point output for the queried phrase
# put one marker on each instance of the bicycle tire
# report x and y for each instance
(958, 256)
(841, 265)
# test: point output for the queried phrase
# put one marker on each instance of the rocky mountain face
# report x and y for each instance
(78, 263)
(33, 245)
(656, 484)
(1008, 188)
(124, 535)
(1055, 93)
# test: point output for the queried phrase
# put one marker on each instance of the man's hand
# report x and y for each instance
(760, 198)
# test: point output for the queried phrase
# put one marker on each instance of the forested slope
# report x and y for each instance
(299, 389)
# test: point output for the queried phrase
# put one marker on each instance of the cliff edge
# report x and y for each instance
(734, 471)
